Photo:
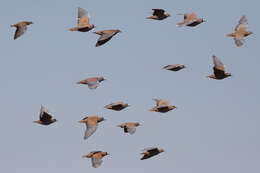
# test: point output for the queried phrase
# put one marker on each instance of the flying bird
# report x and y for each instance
(21, 28)
(219, 71)
(45, 117)
(129, 127)
(158, 14)
(150, 152)
(174, 67)
(92, 82)
(190, 19)
(240, 32)
(162, 106)
(96, 157)
(105, 36)
(117, 106)
(91, 123)
(83, 22)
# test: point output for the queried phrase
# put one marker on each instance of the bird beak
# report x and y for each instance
(81, 121)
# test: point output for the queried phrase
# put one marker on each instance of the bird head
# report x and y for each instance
(161, 150)
(29, 23)
(171, 107)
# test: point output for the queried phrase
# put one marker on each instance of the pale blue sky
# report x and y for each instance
(214, 129)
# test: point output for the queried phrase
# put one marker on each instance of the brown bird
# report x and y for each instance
(150, 152)
(162, 106)
(92, 124)
(240, 32)
(219, 72)
(21, 28)
(83, 22)
(129, 127)
(190, 19)
(92, 82)
(105, 36)
(117, 106)
(96, 157)
(174, 67)
(45, 117)
(158, 14)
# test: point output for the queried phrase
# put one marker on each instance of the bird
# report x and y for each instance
(92, 82)
(91, 124)
(158, 14)
(129, 127)
(162, 106)
(150, 152)
(21, 28)
(174, 67)
(96, 157)
(83, 22)
(117, 106)
(219, 72)
(45, 117)
(240, 32)
(190, 19)
(105, 36)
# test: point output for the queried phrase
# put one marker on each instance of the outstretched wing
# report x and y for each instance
(130, 130)
(91, 128)
(242, 23)
(44, 115)
(239, 41)
(158, 12)
(217, 63)
(93, 85)
(20, 30)
(96, 162)
(83, 18)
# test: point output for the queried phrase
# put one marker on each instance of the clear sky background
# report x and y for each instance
(214, 129)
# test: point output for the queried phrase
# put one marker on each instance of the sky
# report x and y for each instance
(215, 127)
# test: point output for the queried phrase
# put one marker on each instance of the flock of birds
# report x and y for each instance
(162, 106)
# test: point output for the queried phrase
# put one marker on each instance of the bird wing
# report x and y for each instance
(93, 85)
(96, 162)
(131, 130)
(91, 128)
(157, 101)
(191, 16)
(20, 30)
(239, 41)
(242, 23)
(150, 149)
(83, 18)
(105, 36)
(158, 12)
(44, 115)
(218, 64)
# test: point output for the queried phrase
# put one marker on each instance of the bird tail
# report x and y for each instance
(73, 29)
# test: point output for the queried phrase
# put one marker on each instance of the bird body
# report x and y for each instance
(21, 28)
(92, 82)
(219, 71)
(83, 22)
(162, 106)
(96, 157)
(240, 32)
(191, 20)
(117, 106)
(174, 67)
(129, 127)
(105, 36)
(91, 124)
(150, 152)
(45, 117)
(158, 14)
